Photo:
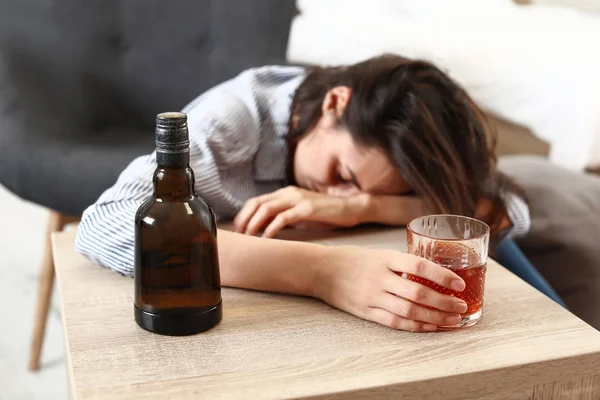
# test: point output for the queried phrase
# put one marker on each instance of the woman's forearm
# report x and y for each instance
(268, 264)
(393, 210)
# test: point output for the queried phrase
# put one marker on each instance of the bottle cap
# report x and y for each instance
(172, 134)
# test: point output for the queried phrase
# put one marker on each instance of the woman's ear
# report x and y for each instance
(336, 100)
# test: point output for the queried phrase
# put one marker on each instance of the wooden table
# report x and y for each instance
(271, 346)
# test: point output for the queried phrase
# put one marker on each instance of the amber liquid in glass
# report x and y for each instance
(464, 262)
(474, 278)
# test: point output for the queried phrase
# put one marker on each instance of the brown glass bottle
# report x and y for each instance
(177, 279)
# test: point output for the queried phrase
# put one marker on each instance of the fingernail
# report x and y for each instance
(458, 285)
(453, 320)
(460, 307)
(429, 327)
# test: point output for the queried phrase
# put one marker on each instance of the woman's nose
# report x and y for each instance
(342, 190)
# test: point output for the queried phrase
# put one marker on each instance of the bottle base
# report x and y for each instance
(182, 324)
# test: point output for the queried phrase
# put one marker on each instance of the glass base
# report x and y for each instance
(465, 322)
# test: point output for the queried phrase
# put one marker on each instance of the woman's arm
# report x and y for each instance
(269, 265)
(361, 281)
(272, 212)
(393, 210)
(289, 206)
(400, 210)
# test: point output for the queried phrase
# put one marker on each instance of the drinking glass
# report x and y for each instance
(459, 244)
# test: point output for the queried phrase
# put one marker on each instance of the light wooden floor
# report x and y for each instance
(21, 239)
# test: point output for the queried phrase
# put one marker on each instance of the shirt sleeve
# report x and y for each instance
(518, 213)
(223, 134)
(105, 234)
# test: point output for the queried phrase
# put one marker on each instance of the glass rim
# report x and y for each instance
(484, 234)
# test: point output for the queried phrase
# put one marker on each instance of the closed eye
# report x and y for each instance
(352, 179)
(341, 179)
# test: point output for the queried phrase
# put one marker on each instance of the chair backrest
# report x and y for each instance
(77, 76)
(119, 62)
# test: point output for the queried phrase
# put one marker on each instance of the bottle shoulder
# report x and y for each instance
(157, 213)
(144, 207)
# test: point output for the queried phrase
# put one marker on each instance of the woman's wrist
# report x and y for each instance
(362, 207)
(325, 270)
(391, 210)
(316, 261)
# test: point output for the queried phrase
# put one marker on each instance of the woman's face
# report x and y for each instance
(327, 159)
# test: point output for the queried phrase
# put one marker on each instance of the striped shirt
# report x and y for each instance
(238, 150)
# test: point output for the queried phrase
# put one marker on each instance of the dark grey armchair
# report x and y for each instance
(81, 83)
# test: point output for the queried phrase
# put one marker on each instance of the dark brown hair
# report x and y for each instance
(426, 123)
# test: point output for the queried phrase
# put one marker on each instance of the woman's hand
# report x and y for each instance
(292, 205)
(360, 281)
(295, 206)
(367, 283)
(497, 223)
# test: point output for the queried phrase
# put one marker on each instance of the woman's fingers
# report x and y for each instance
(265, 213)
(429, 270)
(290, 194)
(288, 217)
(242, 218)
(395, 321)
(360, 281)
(417, 293)
(292, 205)
(413, 311)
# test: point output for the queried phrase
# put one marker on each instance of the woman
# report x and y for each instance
(382, 141)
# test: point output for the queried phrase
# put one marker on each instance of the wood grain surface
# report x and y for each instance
(273, 346)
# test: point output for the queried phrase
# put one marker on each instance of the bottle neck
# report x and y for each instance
(173, 182)
(165, 158)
